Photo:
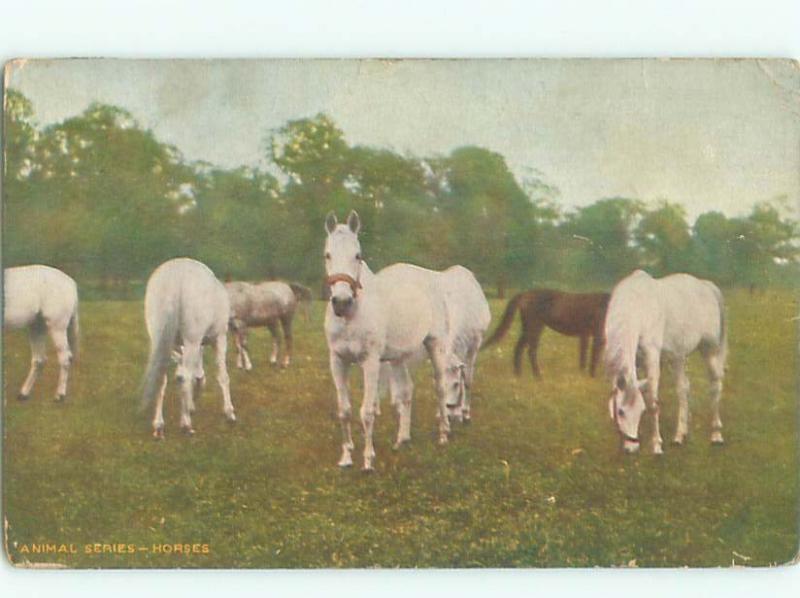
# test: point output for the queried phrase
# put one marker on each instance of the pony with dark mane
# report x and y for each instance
(571, 314)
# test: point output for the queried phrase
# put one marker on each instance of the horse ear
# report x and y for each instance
(354, 222)
(621, 382)
(330, 222)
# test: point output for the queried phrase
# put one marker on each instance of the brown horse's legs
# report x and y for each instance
(521, 344)
(533, 334)
(583, 349)
(597, 346)
(286, 322)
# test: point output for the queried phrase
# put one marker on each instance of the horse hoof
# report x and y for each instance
(400, 444)
(188, 430)
(345, 463)
(443, 440)
(367, 469)
(158, 434)
(22, 397)
(467, 420)
(60, 398)
(677, 442)
(231, 417)
(718, 442)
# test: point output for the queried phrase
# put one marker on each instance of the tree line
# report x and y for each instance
(102, 198)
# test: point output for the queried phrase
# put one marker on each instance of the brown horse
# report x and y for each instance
(572, 314)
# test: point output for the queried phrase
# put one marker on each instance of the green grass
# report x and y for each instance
(537, 480)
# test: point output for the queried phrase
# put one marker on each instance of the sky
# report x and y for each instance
(711, 135)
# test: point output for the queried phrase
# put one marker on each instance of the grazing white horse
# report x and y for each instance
(43, 299)
(671, 317)
(468, 318)
(264, 304)
(185, 307)
(384, 317)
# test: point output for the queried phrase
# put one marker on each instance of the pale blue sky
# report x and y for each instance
(709, 134)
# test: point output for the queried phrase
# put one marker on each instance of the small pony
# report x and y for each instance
(185, 307)
(265, 304)
(43, 299)
(650, 318)
(571, 314)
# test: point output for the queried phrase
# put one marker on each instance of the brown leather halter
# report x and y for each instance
(354, 284)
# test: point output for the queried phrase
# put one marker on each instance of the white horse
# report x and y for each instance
(269, 304)
(43, 299)
(185, 307)
(384, 317)
(672, 316)
(468, 319)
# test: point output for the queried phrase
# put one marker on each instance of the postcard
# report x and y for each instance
(400, 313)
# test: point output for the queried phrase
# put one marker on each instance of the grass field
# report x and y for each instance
(537, 480)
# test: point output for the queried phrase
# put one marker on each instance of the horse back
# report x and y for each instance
(693, 313)
(412, 304)
(38, 291)
(468, 309)
(568, 313)
(187, 289)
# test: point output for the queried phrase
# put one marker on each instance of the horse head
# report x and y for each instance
(343, 262)
(626, 406)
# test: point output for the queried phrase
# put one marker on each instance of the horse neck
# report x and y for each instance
(622, 340)
(366, 276)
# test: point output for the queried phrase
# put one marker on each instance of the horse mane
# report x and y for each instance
(622, 327)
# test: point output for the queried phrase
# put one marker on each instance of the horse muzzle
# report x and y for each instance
(342, 305)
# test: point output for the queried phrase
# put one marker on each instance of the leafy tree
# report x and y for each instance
(599, 240)
(103, 198)
(664, 238)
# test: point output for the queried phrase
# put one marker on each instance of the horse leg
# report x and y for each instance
(158, 418)
(682, 390)
(190, 364)
(597, 347)
(469, 375)
(286, 323)
(371, 369)
(584, 346)
(223, 379)
(199, 386)
(652, 366)
(276, 340)
(248, 365)
(402, 391)
(438, 355)
(534, 334)
(518, 349)
(715, 363)
(36, 336)
(238, 340)
(64, 356)
(339, 374)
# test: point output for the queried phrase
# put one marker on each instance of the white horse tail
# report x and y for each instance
(161, 346)
(72, 334)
